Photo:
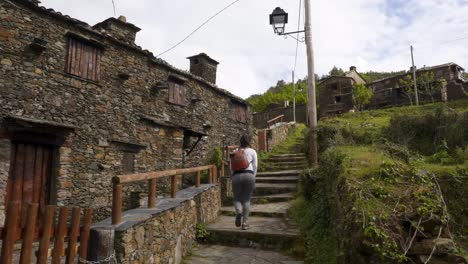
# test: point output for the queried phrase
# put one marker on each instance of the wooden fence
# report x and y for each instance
(275, 120)
(13, 231)
(151, 178)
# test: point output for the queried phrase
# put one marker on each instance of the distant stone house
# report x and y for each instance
(390, 92)
(81, 104)
(335, 93)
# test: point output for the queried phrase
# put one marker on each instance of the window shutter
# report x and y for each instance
(83, 60)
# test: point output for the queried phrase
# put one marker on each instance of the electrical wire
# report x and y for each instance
(198, 28)
(297, 38)
(113, 5)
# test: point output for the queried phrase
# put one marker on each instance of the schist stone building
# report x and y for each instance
(81, 104)
(336, 91)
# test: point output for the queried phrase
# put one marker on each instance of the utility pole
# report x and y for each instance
(312, 106)
(294, 97)
(414, 79)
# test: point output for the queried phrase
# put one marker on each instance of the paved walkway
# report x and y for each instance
(215, 254)
(270, 232)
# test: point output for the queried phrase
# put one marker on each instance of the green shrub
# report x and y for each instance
(201, 234)
(215, 157)
(427, 133)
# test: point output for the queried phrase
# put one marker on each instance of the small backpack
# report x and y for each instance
(239, 161)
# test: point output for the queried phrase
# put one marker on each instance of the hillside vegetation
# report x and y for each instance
(282, 91)
(391, 187)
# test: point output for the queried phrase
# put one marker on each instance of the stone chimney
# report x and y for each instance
(119, 29)
(352, 68)
(203, 66)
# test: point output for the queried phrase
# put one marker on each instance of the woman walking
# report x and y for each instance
(244, 169)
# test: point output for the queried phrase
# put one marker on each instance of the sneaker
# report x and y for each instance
(238, 220)
(245, 226)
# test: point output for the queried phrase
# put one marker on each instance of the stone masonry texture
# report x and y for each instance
(169, 235)
(128, 109)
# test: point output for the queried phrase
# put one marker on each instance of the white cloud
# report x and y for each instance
(370, 34)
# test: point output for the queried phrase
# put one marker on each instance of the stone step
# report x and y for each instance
(284, 167)
(217, 254)
(276, 159)
(263, 210)
(279, 173)
(274, 188)
(274, 198)
(264, 233)
(284, 179)
(282, 155)
(286, 163)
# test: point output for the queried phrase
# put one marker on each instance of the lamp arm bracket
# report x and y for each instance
(294, 32)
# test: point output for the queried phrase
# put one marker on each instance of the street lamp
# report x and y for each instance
(278, 20)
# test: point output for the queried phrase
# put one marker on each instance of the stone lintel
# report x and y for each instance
(28, 122)
(129, 145)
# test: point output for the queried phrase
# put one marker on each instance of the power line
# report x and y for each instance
(113, 5)
(297, 36)
(199, 27)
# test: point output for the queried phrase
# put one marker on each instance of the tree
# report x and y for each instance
(361, 95)
(426, 84)
(336, 71)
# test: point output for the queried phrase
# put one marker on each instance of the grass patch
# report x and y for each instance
(383, 174)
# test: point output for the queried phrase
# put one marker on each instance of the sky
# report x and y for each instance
(369, 34)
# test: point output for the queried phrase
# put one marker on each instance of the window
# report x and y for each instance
(240, 113)
(128, 162)
(83, 59)
(177, 93)
(337, 99)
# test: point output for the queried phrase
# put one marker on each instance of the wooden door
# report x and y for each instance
(29, 178)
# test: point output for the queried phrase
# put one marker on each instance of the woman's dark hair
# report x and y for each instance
(245, 141)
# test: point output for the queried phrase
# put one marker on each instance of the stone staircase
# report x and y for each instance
(271, 232)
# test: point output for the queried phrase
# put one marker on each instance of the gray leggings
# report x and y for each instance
(243, 185)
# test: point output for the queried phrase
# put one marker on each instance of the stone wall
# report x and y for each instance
(166, 233)
(388, 93)
(279, 134)
(335, 95)
(126, 114)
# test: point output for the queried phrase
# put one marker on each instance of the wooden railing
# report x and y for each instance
(275, 120)
(13, 232)
(151, 177)
(226, 161)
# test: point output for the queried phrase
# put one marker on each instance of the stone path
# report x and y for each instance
(215, 254)
(270, 231)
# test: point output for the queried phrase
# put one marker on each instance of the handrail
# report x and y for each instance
(276, 118)
(151, 177)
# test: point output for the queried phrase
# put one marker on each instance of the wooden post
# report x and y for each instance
(73, 236)
(152, 193)
(26, 248)
(197, 181)
(222, 169)
(60, 236)
(84, 236)
(48, 221)
(210, 175)
(215, 174)
(173, 186)
(11, 229)
(117, 204)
